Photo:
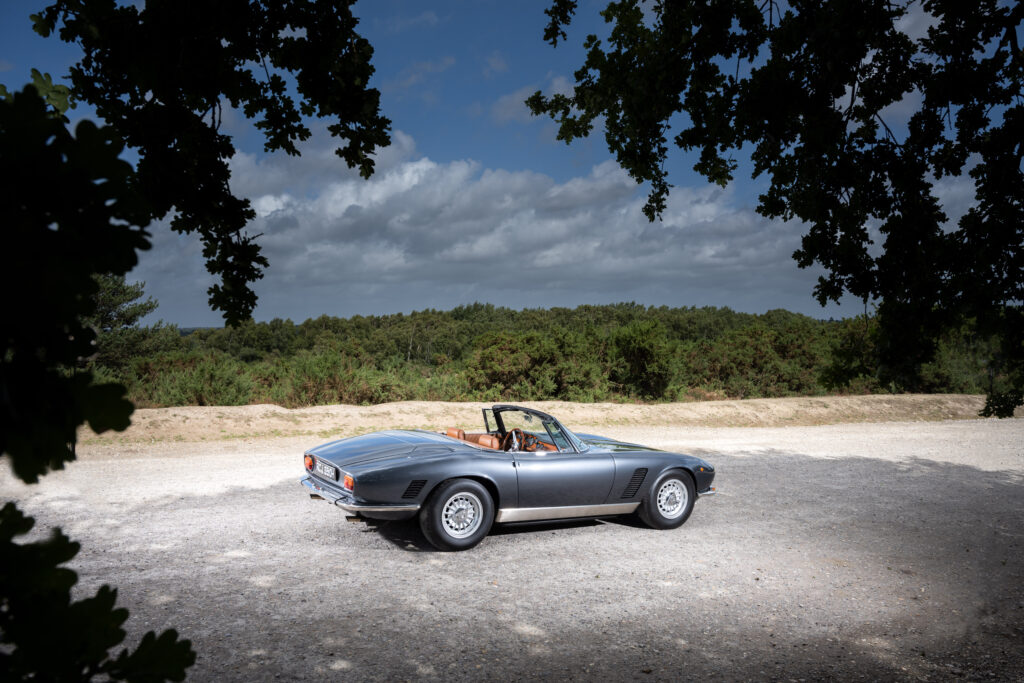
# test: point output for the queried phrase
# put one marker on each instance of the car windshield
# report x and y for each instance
(558, 432)
(547, 430)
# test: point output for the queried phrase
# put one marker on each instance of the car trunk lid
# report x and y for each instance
(372, 450)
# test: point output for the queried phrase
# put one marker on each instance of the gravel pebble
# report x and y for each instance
(876, 551)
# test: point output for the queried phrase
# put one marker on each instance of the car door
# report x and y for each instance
(557, 479)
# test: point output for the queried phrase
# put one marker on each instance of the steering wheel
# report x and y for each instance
(513, 438)
(518, 440)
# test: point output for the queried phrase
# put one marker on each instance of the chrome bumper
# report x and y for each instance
(710, 492)
(346, 502)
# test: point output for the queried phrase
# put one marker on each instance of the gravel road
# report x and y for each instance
(858, 551)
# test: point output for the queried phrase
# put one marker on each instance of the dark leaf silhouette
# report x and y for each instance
(55, 638)
(812, 92)
(162, 74)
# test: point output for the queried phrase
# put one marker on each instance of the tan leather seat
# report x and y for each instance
(457, 433)
(489, 441)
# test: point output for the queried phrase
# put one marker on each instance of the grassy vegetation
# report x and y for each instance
(621, 352)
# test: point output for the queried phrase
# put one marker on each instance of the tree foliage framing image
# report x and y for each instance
(806, 88)
(809, 88)
(75, 213)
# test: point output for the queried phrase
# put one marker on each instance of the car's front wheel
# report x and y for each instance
(457, 515)
(669, 502)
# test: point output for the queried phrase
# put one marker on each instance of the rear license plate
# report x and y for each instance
(326, 470)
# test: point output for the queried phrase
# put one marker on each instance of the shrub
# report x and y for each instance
(176, 379)
(641, 359)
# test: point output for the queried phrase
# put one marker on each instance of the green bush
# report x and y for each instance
(757, 361)
(536, 366)
(642, 358)
(487, 353)
(177, 379)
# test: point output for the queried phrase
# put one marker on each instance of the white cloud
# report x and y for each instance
(956, 195)
(512, 106)
(916, 22)
(175, 275)
(418, 72)
(898, 113)
(560, 85)
(255, 175)
(422, 234)
(401, 23)
(495, 64)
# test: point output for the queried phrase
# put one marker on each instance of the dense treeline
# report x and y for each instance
(482, 352)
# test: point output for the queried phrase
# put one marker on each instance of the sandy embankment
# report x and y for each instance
(869, 537)
(195, 423)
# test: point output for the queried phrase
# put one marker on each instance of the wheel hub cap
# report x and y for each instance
(672, 499)
(460, 516)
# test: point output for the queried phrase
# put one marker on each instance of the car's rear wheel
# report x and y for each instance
(669, 502)
(457, 515)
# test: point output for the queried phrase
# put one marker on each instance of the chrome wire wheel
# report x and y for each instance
(461, 515)
(672, 499)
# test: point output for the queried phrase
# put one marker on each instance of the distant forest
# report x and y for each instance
(619, 352)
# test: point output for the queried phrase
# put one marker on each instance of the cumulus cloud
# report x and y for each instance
(257, 175)
(422, 234)
(174, 273)
(956, 194)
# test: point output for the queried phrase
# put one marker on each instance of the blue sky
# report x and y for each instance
(475, 200)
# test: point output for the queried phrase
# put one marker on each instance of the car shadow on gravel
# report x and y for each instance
(802, 567)
(406, 534)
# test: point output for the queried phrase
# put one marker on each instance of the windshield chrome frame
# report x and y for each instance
(577, 444)
(487, 423)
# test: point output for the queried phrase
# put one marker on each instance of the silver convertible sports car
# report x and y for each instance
(524, 466)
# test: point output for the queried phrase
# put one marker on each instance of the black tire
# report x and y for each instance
(457, 515)
(663, 506)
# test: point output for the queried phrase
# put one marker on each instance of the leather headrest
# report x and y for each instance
(489, 441)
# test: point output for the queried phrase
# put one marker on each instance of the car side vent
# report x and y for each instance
(635, 482)
(414, 488)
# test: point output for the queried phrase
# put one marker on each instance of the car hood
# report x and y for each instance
(380, 449)
(611, 445)
(604, 444)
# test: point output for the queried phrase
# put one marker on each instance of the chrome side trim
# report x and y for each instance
(534, 514)
(345, 503)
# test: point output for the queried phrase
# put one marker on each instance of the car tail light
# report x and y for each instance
(308, 461)
(348, 483)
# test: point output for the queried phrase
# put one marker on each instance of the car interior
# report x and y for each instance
(514, 440)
